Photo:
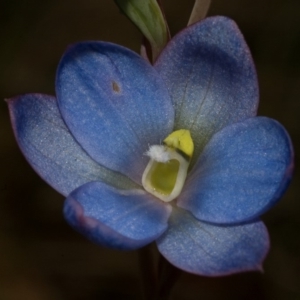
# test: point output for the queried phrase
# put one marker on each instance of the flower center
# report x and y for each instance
(166, 171)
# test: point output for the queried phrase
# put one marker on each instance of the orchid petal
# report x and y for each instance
(50, 148)
(242, 172)
(211, 78)
(115, 218)
(114, 103)
(209, 250)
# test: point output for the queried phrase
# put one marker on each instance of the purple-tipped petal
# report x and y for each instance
(114, 103)
(210, 76)
(210, 250)
(50, 148)
(242, 172)
(116, 218)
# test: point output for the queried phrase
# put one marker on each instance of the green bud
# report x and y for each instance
(147, 16)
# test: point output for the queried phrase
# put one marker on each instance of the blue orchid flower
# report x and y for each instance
(90, 144)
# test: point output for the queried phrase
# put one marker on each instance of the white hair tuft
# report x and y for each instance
(158, 153)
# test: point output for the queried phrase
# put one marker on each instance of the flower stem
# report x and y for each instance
(167, 277)
(147, 272)
(157, 282)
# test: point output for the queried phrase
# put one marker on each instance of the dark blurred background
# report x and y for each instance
(41, 257)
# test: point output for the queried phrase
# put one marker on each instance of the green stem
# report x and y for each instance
(157, 283)
(147, 272)
(168, 276)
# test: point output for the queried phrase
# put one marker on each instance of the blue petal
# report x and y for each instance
(115, 218)
(242, 172)
(50, 148)
(210, 250)
(211, 78)
(114, 103)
